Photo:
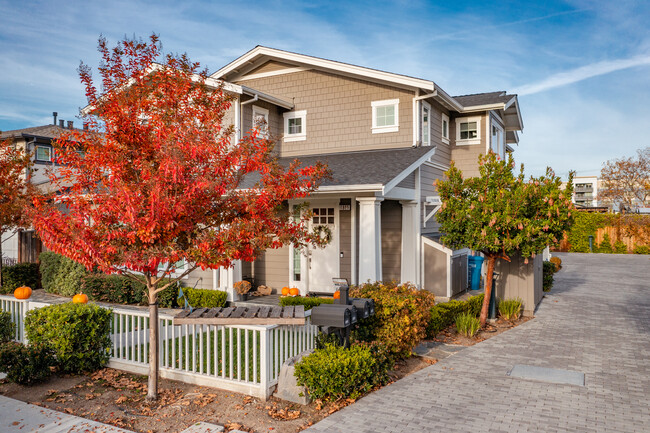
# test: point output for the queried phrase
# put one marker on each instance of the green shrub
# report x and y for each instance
(78, 334)
(119, 289)
(7, 327)
(584, 225)
(606, 245)
(620, 247)
(26, 364)
(444, 314)
(334, 372)
(547, 275)
(205, 298)
(323, 339)
(60, 275)
(401, 316)
(168, 298)
(510, 309)
(21, 274)
(467, 324)
(308, 302)
(641, 249)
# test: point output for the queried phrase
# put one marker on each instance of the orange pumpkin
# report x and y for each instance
(294, 291)
(80, 299)
(285, 291)
(337, 294)
(22, 292)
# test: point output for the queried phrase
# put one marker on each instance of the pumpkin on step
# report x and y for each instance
(23, 292)
(285, 291)
(337, 294)
(80, 299)
(294, 291)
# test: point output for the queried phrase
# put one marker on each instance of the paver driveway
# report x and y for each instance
(596, 320)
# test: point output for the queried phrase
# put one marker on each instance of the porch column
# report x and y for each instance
(228, 277)
(409, 241)
(369, 239)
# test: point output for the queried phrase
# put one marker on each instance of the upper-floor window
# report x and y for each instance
(426, 124)
(468, 130)
(261, 120)
(295, 126)
(385, 116)
(445, 128)
(496, 139)
(44, 153)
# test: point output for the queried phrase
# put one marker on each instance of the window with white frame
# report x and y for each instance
(295, 125)
(261, 120)
(43, 153)
(468, 130)
(445, 128)
(496, 139)
(426, 124)
(176, 269)
(385, 116)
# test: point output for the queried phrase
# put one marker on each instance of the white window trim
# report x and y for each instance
(43, 147)
(468, 141)
(176, 271)
(442, 128)
(389, 128)
(500, 146)
(425, 106)
(265, 113)
(295, 115)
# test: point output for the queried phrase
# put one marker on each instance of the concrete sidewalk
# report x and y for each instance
(20, 417)
(595, 321)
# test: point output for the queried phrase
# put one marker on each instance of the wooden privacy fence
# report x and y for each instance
(240, 358)
(616, 234)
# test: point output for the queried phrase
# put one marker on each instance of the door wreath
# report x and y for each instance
(324, 233)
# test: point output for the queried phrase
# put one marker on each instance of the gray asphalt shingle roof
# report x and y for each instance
(46, 131)
(374, 167)
(483, 98)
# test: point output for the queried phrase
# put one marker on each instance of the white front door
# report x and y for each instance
(323, 263)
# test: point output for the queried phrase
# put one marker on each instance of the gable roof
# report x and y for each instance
(365, 170)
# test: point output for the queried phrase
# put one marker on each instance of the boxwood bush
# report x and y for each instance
(120, 289)
(205, 298)
(26, 365)
(7, 327)
(334, 372)
(444, 314)
(548, 270)
(21, 274)
(60, 275)
(401, 316)
(308, 302)
(77, 333)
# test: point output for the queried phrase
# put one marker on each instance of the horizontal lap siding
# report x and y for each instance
(391, 240)
(520, 280)
(345, 243)
(339, 116)
(199, 278)
(408, 182)
(435, 271)
(272, 268)
(428, 175)
(443, 150)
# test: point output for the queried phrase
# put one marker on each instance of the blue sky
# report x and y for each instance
(581, 67)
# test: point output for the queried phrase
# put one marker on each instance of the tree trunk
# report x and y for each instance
(488, 289)
(152, 387)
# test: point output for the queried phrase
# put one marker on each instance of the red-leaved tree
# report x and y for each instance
(15, 189)
(156, 178)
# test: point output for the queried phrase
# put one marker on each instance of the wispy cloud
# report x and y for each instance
(582, 73)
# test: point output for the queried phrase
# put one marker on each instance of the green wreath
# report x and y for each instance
(324, 233)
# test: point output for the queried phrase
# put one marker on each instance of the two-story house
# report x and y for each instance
(386, 138)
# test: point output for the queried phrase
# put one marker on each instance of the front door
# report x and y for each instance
(323, 263)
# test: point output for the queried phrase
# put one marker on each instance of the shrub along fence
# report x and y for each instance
(241, 358)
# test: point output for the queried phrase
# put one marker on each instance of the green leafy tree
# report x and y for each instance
(500, 213)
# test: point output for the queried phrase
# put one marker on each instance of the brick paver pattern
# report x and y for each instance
(596, 320)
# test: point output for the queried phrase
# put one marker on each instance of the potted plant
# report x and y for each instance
(243, 287)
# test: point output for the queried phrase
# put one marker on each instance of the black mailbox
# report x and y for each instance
(354, 315)
(365, 307)
(337, 317)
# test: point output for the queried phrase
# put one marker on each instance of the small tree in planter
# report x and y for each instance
(499, 213)
(242, 288)
(152, 189)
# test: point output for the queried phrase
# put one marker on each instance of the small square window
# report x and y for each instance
(295, 126)
(43, 153)
(468, 130)
(385, 116)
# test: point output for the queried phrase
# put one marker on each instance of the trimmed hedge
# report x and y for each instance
(334, 372)
(7, 327)
(78, 334)
(444, 314)
(205, 298)
(21, 274)
(60, 275)
(401, 316)
(641, 249)
(26, 365)
(308, 302)
(549, 268)
(120, 289)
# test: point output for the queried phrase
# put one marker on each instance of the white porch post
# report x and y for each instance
(409, 242)
(228, 277)
(369, 239)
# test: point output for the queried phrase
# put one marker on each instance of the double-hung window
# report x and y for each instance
(261, 120)
(385, 116)
(445, 128)
(426, 124)
(468, 130)
(295, 126)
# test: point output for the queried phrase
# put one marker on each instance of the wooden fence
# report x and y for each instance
(242, 358)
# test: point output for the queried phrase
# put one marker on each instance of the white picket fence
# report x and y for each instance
(244, 358)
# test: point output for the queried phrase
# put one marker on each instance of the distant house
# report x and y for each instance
(24, 245)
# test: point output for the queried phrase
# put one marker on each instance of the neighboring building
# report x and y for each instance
(387, 138)
(585, 191)
(24, 245)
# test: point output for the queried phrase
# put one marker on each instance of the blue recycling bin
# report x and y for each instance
(474, 265)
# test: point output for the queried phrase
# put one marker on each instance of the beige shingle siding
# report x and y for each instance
(339, 112)
(466, 156)
(428, 175)
(391, 240)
